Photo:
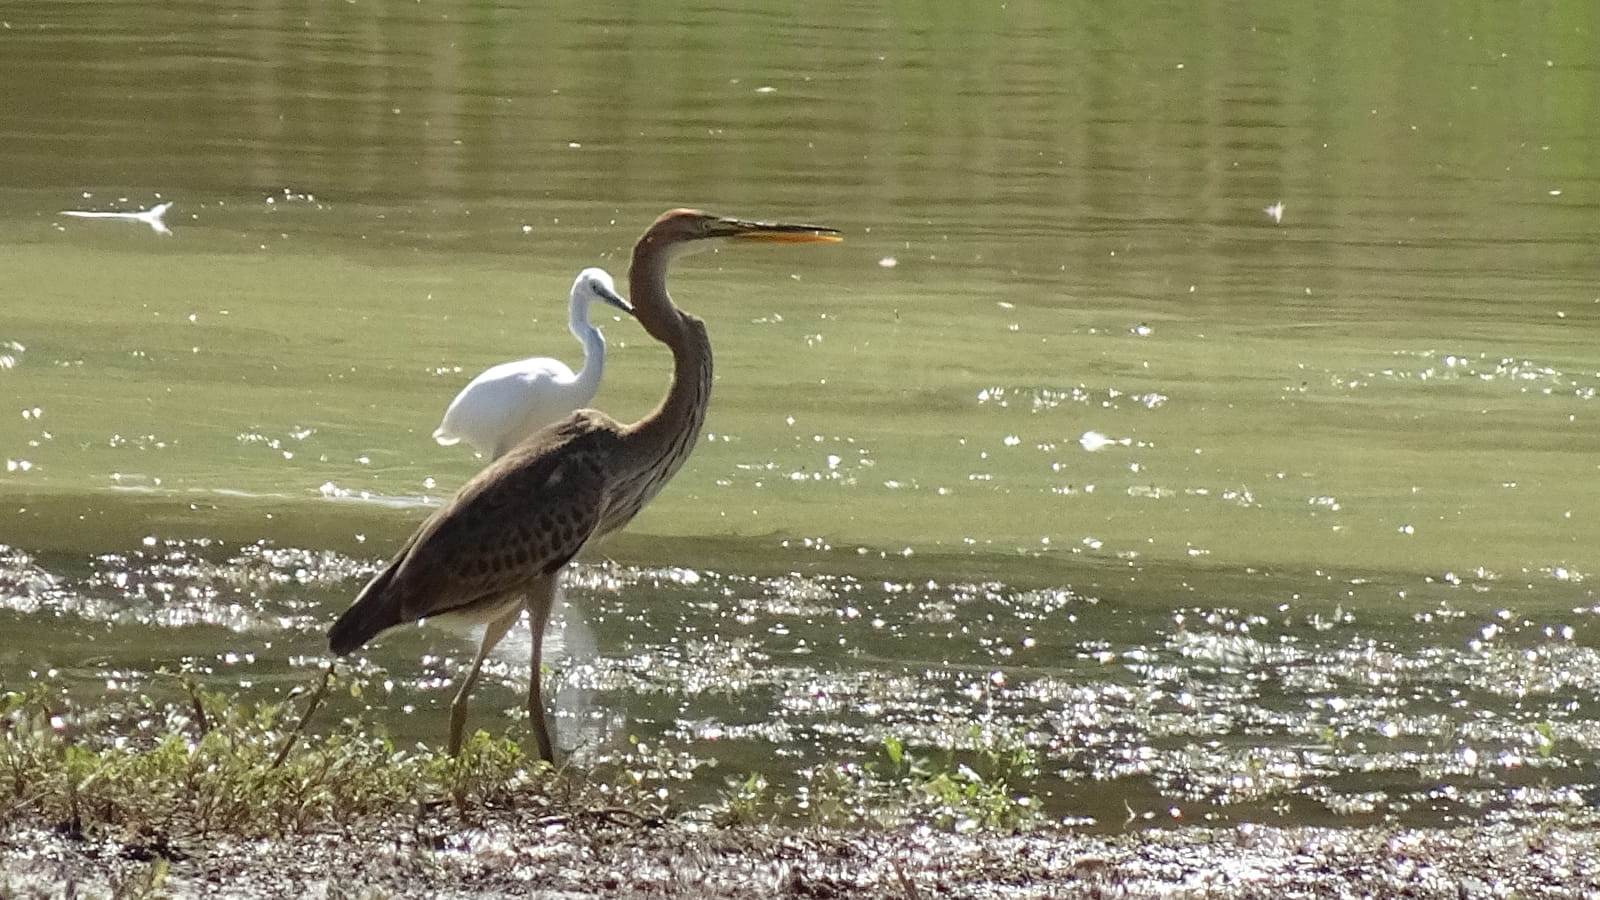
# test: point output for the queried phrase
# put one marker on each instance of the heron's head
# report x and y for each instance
(596, 285)
(683, 230)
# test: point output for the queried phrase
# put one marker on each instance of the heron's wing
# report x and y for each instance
(520, 519)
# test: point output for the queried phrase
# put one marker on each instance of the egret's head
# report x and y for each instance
(683, 230)
(596, 285)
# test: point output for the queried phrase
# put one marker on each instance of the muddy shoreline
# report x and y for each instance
(523, 856)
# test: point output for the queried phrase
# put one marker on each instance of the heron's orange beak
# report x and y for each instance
(773, 233)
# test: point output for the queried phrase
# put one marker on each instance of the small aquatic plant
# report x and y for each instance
(982, 781)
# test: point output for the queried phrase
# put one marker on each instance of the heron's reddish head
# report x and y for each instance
(680, 226)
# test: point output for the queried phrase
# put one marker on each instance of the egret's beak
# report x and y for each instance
(612, 298)
(771, 232)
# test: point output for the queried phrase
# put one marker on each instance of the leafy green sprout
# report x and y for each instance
(984, 781)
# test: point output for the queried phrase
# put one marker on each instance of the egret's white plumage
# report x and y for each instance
(509, 402)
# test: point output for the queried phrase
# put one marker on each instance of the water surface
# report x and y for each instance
(1205, 397)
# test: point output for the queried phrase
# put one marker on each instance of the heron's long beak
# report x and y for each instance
(773, 232)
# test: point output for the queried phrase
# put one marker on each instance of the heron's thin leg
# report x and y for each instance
(493, 633)
(540, 599)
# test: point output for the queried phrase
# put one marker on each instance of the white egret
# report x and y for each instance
(507, 403)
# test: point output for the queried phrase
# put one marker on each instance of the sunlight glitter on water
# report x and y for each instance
(1270, 710)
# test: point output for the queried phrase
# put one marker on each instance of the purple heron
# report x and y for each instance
(501, 543)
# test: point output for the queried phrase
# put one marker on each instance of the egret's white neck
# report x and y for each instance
(594, 351)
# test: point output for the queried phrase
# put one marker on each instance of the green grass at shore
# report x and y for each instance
(204, 765)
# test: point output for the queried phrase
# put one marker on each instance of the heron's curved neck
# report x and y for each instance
(647, 291)
(690, 391)
(660, 442)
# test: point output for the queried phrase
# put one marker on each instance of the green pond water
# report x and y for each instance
(1205, 396)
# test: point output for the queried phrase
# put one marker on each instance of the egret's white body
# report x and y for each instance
(509, 402)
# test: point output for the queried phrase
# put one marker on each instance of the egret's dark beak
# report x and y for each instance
(612, 298)
(771, 232)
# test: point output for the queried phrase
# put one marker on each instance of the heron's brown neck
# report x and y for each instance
(658, 444)
(647, 291)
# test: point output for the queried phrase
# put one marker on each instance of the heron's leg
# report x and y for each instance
(540, 599)
(493, 633)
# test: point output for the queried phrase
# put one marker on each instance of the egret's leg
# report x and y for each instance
(493, 633)
(540, 599)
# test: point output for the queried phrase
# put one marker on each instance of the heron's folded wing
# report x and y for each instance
(521, 519)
